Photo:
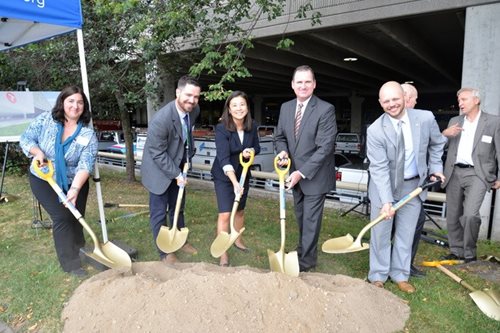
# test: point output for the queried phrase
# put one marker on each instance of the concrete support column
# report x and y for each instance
(356, 112)
(257, 109)
(164, 86)
(481, 69)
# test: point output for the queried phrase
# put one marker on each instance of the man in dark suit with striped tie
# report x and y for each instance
(306, 134)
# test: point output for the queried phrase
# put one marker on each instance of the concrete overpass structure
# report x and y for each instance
(439, 45)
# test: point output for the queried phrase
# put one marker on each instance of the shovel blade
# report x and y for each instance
(486, 304)
(223, 242)
(344, 244)
(291, 266)
(220, 244)
(117, 255)
(275, 261)
(171, 240)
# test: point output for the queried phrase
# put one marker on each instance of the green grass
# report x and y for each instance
(33, 289)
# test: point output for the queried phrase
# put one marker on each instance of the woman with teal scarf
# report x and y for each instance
(64, 137)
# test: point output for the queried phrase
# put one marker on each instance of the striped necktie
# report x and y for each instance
(298, 118)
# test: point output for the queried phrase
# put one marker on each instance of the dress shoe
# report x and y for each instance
(306, 269)
(79, 272)
(189, 249)
(170, 259)
(406, 287)
(378, 284)
(468, 260)
(241, 248)
(451, 256)
(415, 272)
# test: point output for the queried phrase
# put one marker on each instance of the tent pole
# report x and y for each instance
(97, 179)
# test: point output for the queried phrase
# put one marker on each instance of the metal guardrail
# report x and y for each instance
(435, 204)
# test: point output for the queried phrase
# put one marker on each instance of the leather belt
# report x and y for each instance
(463, 166)
(411, 178)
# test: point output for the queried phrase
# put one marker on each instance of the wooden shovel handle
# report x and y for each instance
(455, 277)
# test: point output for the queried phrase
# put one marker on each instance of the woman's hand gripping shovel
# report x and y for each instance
(488, 301)
(280, 261)
(171, 240)
(223, 241)
(108, 253)
(347, 244)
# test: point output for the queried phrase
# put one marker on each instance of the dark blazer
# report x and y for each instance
(229, 147)
(485, 152)
(313, 151)
(164, 148)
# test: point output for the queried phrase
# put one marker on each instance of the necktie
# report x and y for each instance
(298, 118)
(400, 162)
(186, 130)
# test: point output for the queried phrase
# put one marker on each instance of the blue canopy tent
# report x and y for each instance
(27, 21)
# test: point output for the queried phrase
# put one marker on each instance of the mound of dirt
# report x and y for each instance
(200, 297)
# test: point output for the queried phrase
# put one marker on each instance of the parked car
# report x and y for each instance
(107, 139)
(349, 143)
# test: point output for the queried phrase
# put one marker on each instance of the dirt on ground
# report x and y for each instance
(201, 297)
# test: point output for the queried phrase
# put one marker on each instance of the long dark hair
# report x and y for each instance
(226, 117)
(58, 110)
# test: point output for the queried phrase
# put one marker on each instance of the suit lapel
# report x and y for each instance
(389, 131)
(481, 124)
(176, 120)
(415, 132)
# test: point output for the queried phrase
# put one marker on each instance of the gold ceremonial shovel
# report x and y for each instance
(170, 240)
(347, 244)
(108, 253)
(488, 301)
(223, 241)
(280, 261)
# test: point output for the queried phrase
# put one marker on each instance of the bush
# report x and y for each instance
(17, 162)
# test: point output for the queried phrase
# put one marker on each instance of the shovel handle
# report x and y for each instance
(246, 165)
(455, 277)
(279, 170)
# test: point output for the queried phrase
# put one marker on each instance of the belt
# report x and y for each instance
(463, 166)
(411, 178)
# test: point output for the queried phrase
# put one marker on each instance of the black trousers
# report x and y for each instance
(66, 230)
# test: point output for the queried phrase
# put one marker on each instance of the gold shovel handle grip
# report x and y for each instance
(279, 170)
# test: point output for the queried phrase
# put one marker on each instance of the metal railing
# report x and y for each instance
(435, 204)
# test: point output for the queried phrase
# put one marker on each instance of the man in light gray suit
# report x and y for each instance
(306, 134)
(168, 146)
(471, 169)
(392, 178)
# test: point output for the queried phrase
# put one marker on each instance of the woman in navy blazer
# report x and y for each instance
(236, 133)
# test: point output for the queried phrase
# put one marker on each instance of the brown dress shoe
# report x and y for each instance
(406, 287)
(189, 249)
(378, 284)
(170, 259)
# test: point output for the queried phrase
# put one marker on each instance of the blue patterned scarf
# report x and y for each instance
(61, 149)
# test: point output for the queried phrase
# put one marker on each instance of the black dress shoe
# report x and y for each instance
(451, 256)
(415, 272)
(80, 272)
(306, 269)
(468, 260)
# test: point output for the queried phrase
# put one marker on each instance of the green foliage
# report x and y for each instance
(17, 162)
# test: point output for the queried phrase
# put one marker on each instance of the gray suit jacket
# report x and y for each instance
(485, 152)
(428, 143)
(313, 151)
(164, 148)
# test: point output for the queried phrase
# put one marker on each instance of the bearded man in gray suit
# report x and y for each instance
(168, 146)
(471, 169)
(306, 134)
(398, 165)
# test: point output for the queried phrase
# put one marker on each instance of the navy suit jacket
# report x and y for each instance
(229, 147)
